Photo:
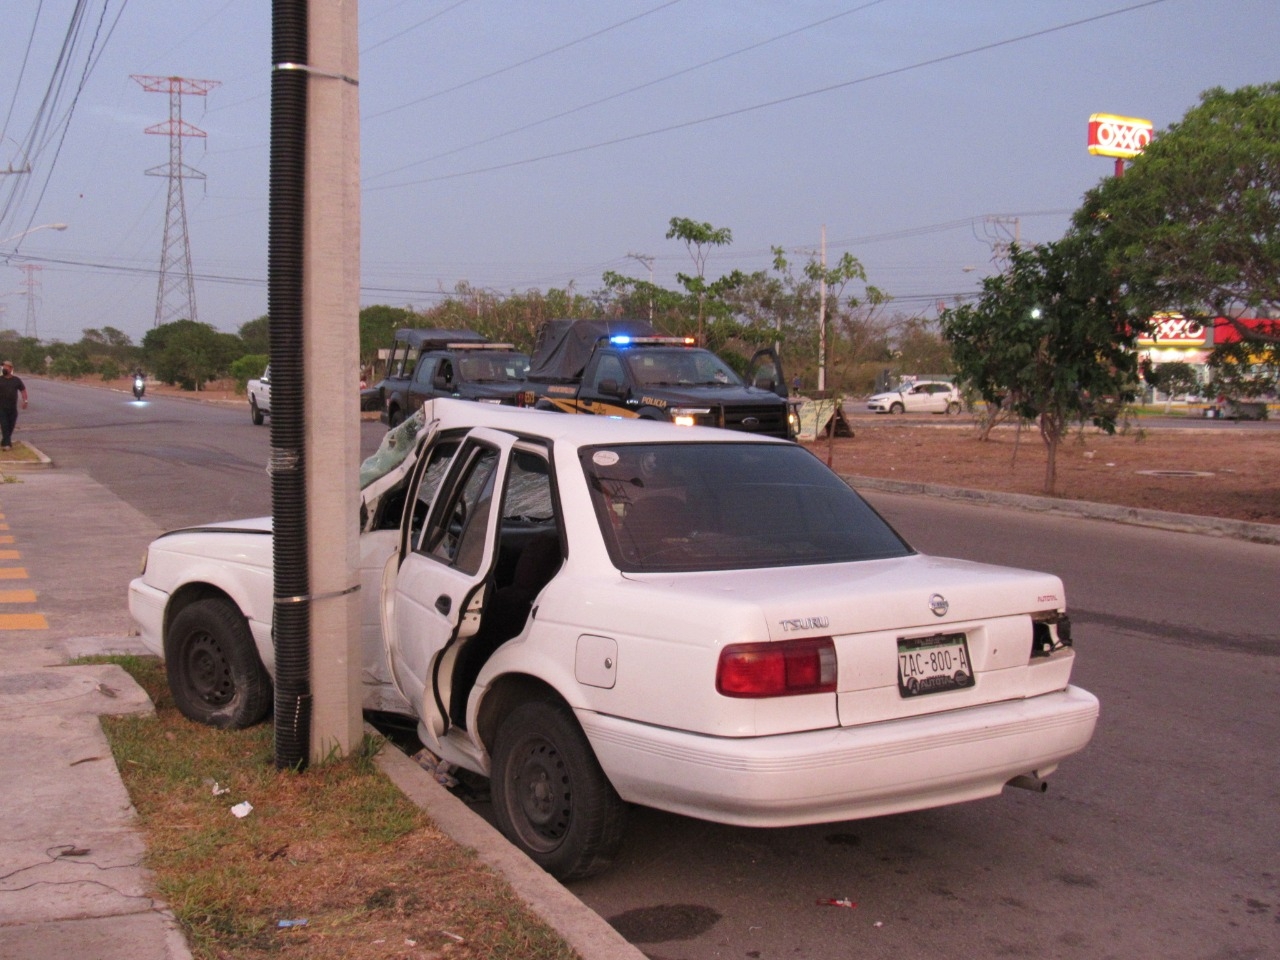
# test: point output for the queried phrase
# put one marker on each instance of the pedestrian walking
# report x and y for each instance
(11, 388)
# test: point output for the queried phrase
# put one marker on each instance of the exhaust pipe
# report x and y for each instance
(1029, 781)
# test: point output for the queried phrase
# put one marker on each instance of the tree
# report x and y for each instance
(698, 237)
(256, 335)
(1046, 338)
(190, 353)
(1194, 224)
(1174, 377)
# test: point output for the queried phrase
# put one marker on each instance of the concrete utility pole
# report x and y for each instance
(176, 295)
(331, 359)
(648, 262)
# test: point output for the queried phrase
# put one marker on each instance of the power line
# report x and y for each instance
(528, 60)
(932, 61)
(623, 93)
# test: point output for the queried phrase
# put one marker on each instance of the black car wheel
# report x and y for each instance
(897, 408)
(254, 413)
(550, 796)
(214, 671)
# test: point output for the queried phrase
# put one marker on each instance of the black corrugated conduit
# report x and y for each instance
(292, 627)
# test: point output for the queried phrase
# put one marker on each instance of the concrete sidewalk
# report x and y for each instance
(71, 876)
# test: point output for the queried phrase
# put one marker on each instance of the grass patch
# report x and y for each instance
(20, 453)
(337, 845)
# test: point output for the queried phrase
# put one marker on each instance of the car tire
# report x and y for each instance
(897, 408)
(255, 414)
(550, 797)
(214, 672)
(953, 408)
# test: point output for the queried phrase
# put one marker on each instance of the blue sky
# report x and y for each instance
(522, 145)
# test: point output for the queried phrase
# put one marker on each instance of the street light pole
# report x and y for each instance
(43, 226)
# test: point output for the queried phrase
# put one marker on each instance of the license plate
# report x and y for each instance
(933, 664)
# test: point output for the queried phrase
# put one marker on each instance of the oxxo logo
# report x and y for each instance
(1176, 329)
(1118, 136)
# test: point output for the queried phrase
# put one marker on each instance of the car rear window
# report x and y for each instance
(728, 506)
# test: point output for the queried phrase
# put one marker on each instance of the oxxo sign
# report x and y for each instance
(1123, 137)
(1175, 328)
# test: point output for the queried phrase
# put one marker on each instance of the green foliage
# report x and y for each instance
(1194, 224)
(1046, 339)
(1173, 377)
(247, 368)
(27, 353)
(1246, 369)
(190, 353)
(378, 326)
(698, 238)
(256, 335)
(110, 370)
(70, 361)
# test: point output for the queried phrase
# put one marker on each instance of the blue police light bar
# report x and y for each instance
(620, 339)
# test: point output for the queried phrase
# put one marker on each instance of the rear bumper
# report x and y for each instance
(847, 773)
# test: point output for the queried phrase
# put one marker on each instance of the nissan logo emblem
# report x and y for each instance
(751, 422)
(938, 604)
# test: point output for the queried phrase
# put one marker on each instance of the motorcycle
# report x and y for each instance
(139, 387)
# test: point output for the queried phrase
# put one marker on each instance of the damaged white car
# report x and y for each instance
(594, 613)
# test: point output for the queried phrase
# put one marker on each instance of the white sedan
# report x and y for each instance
(594, 612)
(919, 396)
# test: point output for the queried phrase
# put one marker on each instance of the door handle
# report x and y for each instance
(444, 604)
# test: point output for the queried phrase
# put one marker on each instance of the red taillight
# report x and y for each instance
(782, 669)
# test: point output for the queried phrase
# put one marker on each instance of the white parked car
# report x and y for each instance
(920, 396)
(594, 612)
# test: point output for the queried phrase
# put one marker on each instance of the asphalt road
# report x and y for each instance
(1161, 840)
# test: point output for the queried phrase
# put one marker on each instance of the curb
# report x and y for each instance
(1265, 533)
(41, 462)
(580, 926)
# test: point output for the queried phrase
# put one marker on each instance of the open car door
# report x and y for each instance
(765, 371)
(437, 593)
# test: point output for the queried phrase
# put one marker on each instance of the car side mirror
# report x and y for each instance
(611, 388)
(440, 383)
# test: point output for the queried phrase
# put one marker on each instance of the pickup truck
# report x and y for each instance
(629, 369)
(463, 364)
(260, 397)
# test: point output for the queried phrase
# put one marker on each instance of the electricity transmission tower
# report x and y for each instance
(176, 295)
(32, 283)
(997, 233)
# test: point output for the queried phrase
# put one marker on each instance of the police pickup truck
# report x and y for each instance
(629, 369)
(447, 363)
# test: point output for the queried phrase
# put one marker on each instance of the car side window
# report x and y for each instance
(426, 368)
(609, 368)
(456, 529)
(438, 460)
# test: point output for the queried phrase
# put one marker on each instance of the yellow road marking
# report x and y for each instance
(23, 621)
(17, 596)
(13, 573)
(10, 555)
(6, 538)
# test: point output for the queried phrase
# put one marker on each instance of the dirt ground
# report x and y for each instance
(1224, 470)
(1227, 470)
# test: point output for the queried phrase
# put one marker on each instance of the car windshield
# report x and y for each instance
(728, 506)
(679, 366)
(493, 367)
